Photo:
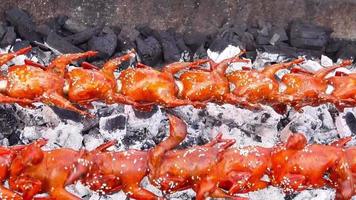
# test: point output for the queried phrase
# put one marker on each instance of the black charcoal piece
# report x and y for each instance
(194, 39)
(23, 24)
(171, 52)
(347, 51)
(2, 31)
(73, 25)
(149, 49)
(105, 43)
(9, 37)
(85, 35)
(308, 36)
(112, 124)
(60, 44)
(21, 44)
(351, 122)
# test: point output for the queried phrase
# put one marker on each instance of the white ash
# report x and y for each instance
(272, 193)
(317, 194)
(142, 131)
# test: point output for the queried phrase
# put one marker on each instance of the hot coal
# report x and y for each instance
(61, 44)
(308, 36)
(84, 35)
(23, 24)
(9, 37)
(105, 43)
(149, 49)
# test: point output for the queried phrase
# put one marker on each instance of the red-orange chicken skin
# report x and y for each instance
(7, 155)
(146, 85)
(4, 58)
(175, 170)
(307, 88)
(239, 171)
(50, 174)
(259, 85)
(33, 82)
(87, 85)
(297, 166)
(344, 87)
(211, 85)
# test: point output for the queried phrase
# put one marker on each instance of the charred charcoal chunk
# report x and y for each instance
(149, 50)
(194, 39)
(171, 52)
(23, 23)
(348, 51)
(229, 36)
(308, 36)
(113, 123)
(21, 44)
(124, 43)
(105, 43)
(61, 44)
(2, 31)
(9, 37)
(351, 122)
(73, 25)
(85, 35)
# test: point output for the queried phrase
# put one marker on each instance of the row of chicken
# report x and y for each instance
(200, 82)
(216, 169)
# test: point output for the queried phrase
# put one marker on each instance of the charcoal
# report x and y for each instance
(201, 52)
(9, 122)
(194, 39)
(43, 30)
(85, 35)
(171, 52)
(149, 49)
(21, 44)
(2, 31)
(308, 36)
(113, 123)
(23, 24)
(67, 114)
(124, 43)
(145, 115)
(145, 30)
(14, 138)
(351, 122)
(180, 43)
(61, 20)
(264, 28)
(310, 53)
(224, 39)
(347, 52)
(262, 40)
(248, 41)
(9, 37)
(278, 34)
(105, 43)
(73, 25)
(61, 44)
(44, 57)
(251, 55)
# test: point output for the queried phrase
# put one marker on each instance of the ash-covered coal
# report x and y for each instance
(137, 130)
